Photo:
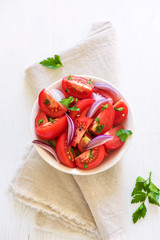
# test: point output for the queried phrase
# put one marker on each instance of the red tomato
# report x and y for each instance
(88, 159)
(81, 125)
(104, 121)
(77, 87)
(53, 129)
(40, 119)
(115, 142)
(84, 106)
(49, 105)
(104, 94)
(64, 153)
(84, 142)
(120, 115)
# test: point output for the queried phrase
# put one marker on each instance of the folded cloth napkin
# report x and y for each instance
(80, 207)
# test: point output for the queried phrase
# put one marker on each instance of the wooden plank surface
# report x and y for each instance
(33, 30)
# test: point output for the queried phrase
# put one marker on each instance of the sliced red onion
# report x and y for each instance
(97, 141)
(56, 94)
(71, 129)
(93, 109)
(108, 88)
(97, 96)
(46, 147)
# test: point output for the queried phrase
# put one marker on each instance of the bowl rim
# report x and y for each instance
(44, 154)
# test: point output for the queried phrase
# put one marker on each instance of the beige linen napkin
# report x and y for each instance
(80, 207)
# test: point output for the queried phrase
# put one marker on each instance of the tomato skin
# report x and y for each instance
(50, 130)
(104, 94)
(106, 118)
(53, 108)
(84, 158)
(77, 87)
(43, 116)
(81, 125)
(115, 142)
(84, 142)
(82, 105)
(120, 116)
(62, 149)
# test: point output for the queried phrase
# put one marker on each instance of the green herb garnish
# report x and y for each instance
(123, 134)
(85, 166)
(97, 120)
(90, 82)
(40, 121)
(72, 150)
(52, 62)
(104, 107)
(69, 77)
(99, 128)
(144, 189)
(51, 120)
(74, 108)
(91, 154)
(118, 109)
(46, 102)
(67, 101)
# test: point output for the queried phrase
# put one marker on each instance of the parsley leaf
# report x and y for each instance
(104, 107)
(52, 62)
(72, 150)
(118, 109)
(85, 166)
(67, 101)
(123, 134)
(46, 102)
(91, 154)
(74, 108)
(99, 128)
(144, 189)
(97, 120)
(51, 120)
(90, 82)
(40, 121)
(69, 77)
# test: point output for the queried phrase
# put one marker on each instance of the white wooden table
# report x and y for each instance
(33, 30)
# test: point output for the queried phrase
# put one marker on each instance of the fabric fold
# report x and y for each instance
(82, 207)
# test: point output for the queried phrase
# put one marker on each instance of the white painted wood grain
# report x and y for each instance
(33, 30)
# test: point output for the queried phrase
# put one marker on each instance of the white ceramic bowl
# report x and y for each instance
(107, 163)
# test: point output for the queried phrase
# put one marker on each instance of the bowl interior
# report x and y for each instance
(107, 163)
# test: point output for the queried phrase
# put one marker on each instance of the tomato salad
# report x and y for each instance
(82, 124)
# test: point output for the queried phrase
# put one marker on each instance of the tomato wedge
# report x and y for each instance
(104, 121)
(53, 129)
(77, 86)
(84, 142)
(104, 94)
(65, 153)
(114, 142)
(81, 125)
(121, 111)
(84, 106)
(49, 105)
(90, 158)
(41, 119)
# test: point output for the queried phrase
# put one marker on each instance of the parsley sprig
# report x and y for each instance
(91, 154)
(52, 62)
(40, 121)
(144, 189)
(99, 127)
(67, 101)
(123, 134)
(118, 109)
(90, 82)
(104, 107)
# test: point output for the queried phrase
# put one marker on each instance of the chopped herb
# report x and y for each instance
(66, 90)
(104, 107)
(51, 120)
(69, 77)
(67, 101)
(99, 128)
(118, 109)
(90, 82)
(46, 102)
(40, 121)
(72, 150)
(85, 166)
(123, 134)
(91, 154)
(74, 108)
(97, 120)
(144, 189)
(52, 62)
(76, 100)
